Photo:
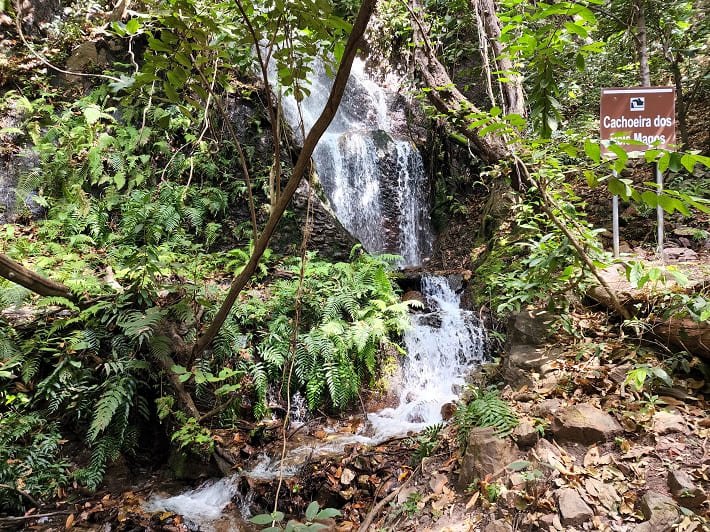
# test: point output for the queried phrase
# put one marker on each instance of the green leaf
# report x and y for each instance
(133, 26)
(518, 465)
(688, 162)
(312, 510)
(119, 180)
(591, 178)
(261, 519)
(158, 45)
(579, 62)
(650, 198)
(592, 150)
(663, 162)
(92, 114)
(327, 513)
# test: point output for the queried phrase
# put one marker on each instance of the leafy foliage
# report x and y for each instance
(485, 409)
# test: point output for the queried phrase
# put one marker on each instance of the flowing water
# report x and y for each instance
(373, 178)
(378, 189)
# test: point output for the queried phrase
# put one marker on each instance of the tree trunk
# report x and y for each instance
(642, 44)
(513, 88)
(17, 273)
(302, 164)
(447, 99)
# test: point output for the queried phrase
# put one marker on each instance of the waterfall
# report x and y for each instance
(378, 189)
(373, 178)
(442, 346)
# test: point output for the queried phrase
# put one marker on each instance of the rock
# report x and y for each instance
(528, 357)
(573, 510)
(667, 422)
(551, 522)
(680, 254)
(546, 407)
(447, 411)
(83, 56)
(525, 435)
(545, 451)
(529, 327)
(486, 454)
(498, 526)
(347, 476)
(414, 295)
(584, 424)
(659, 510)
(685, 491)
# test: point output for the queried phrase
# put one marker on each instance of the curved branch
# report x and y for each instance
(17, 273)
(336, 94)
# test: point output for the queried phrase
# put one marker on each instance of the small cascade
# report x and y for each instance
(442, 347)
(204, 505)
(374, 180)
(378, 189)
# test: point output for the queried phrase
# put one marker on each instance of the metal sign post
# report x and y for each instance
(646, 117)
(659, 214)
(615, 222)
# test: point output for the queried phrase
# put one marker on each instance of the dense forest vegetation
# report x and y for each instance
(173, 275)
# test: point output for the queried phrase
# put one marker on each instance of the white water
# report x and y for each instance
(199, 506)
(374, 180)
(354, 160)
(442, 346)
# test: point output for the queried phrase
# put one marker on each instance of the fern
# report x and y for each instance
(487, 409)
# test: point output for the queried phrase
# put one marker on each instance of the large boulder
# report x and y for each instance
(585, 424)
(486, 454)
(529, 327)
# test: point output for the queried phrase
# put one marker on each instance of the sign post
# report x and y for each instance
(646, 116)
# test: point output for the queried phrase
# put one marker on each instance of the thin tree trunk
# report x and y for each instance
(680, 101)
(17, 273)
(336, 94)
(513, 88)
(642, 44)
(447, 99)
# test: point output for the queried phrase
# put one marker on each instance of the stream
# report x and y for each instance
(375, 182)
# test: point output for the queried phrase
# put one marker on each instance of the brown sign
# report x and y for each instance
(644, 114)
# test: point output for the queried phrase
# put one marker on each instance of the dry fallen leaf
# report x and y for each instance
(69, 522)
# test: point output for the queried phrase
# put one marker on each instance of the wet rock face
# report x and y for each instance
(16, 160)
(35, 13)
(327, 236)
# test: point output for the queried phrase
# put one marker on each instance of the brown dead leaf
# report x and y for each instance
(437, 483)
(69, 522)
(472, 501)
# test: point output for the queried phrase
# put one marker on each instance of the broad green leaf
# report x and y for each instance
(688, 162)
(158, 45)
(663, 162)
(119, 180)
(592, 150)
(261, 519)
(312, 510)
(133, 26)
(327, 513)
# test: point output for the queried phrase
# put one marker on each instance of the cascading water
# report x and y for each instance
(373, 179)
(442, 346)
(377, 187)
